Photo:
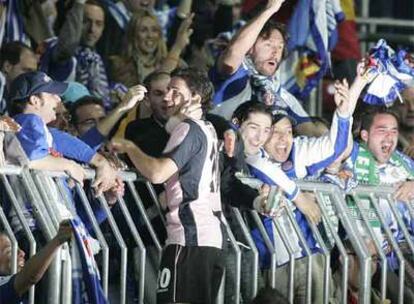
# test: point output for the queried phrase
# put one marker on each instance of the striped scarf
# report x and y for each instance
(265, 88)
(85, 273)
(119, 12)
(90, 71)
(14, 30)
(389, 81)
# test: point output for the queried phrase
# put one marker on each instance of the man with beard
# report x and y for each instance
(248, 67)
(376, 162)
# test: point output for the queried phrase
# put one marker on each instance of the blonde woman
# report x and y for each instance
(145, 53)
(146, 50)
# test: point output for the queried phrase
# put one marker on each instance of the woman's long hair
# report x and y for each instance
(133, 50)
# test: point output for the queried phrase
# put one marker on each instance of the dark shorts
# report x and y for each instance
(190, 274)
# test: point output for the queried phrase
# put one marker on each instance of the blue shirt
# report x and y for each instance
(8, 294)
(38, 141)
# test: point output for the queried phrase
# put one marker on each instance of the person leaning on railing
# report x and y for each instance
(14, 286)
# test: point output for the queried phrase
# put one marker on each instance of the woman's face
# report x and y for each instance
(148, 35)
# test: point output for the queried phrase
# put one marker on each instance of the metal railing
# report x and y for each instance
(46, 191)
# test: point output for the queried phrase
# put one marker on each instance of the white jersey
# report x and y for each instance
(308, 156)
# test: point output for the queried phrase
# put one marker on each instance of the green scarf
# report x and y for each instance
(367, 172)
(366, 168)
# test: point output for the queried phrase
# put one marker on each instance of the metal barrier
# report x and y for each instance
(46, 191)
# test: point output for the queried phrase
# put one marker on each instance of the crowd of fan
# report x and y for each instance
(139, 96)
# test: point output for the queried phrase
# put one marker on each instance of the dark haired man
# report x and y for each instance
(248, 68)
(376, 161)
(193, 260)
(15, 58)
(72, 55)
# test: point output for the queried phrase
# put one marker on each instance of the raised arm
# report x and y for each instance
(37, 265)
(181, 41)
(129, 101)
(231, 59)
(70, 33)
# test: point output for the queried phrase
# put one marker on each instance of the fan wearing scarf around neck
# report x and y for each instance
(246, 70)
(72, 56)
(376, 161)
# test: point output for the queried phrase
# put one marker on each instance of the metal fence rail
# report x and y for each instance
(46, 190)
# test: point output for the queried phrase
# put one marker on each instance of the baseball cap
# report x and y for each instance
(74, 92)
(279, 113)
(31, 83)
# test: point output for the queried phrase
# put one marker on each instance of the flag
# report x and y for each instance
(390, 72)
(87, 287)
(312, 35)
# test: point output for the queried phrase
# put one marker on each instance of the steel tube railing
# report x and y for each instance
(100, 237)
(246, 234)
(269, 246)
(122, 246)
(147, 222)
(28, 233)
(308, 252)
(291, 253)
(400, 257)
(139, 243)
(358, 245)
(384, 263)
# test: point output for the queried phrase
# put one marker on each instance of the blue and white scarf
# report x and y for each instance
(14, 27)
(87, 288)
(313, 34)
(389, 78)
(90, 71)
(266, 89)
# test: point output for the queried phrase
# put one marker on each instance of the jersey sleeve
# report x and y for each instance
(32, 136)
(272, 174)
(186, 141)
(319, 152)
(72, 147)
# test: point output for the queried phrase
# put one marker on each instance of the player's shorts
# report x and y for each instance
(190, 274)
